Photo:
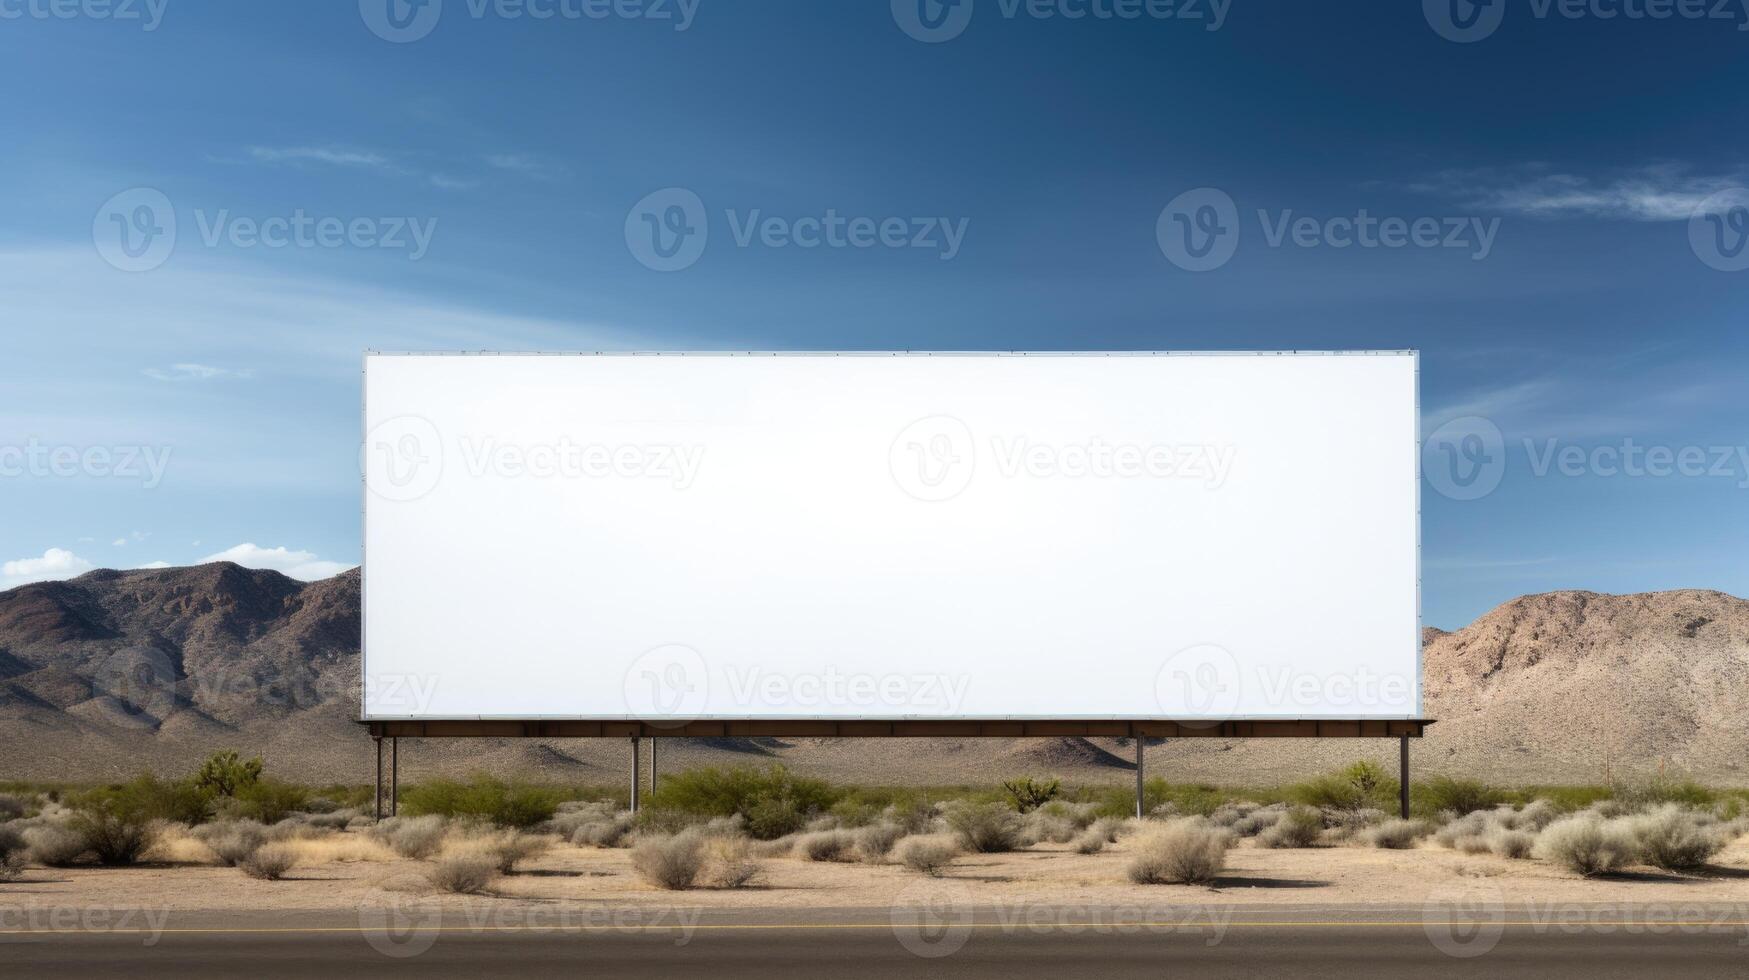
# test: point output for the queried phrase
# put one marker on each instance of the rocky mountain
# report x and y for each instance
(117, 671)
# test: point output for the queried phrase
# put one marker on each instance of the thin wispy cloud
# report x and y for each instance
(196, 372)
(1661, 192)
(524, 164)
(333, 156)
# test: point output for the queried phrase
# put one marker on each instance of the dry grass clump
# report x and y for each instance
(612, 830)
(1395, 835)
(463, 872)
(988, 828)
(875, 841)
(671, 862)
(509, 848)
(1675, 839)
(729, 863)
(927, 855)
(12, 851)
(416, 838)
(339, 848)
(1043, 826)
(1089, 841)
(784, 846)
(1344, 825)
(1587, 844)
(1508, 843)
(230, 841)
(54, 845)
(827, 845)
(269, 862)
(1300, 826)
(1184, 852)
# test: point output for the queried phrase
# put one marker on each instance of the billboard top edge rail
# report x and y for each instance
(1409, 352)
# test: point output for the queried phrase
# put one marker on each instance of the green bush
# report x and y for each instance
(1361, 786)
(772, 801)
(115, 822)
(483, 798)
(224, 774)
(1460, 796)
(269, 801)
(1027, 794)
(984, 828)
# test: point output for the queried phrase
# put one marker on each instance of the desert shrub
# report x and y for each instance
(483, 798)
(416, 838)
(1041, 826)
(333, 819)
(573, 814)
(1297, 827)
(773, 801)
(984, 828)
(115, 821)
(1182, 852)
(1474, 844)
(875, 841)
(1470, 826)
(12, 853)
(232, 841)
(926, 855)
(465, 872)
(54, 845)
(1675, 839)
(11, 807)
(1509, 843)
(1587, 844)
(775, 848)
(512, 847)
(1535, 815)
(611, 831)
(1089, 842)
(669, 862)
(1658, 791)
(826, 845)
(225, 774)
(267, 800)
(1360, 786)
(728, 863)
(268, 862)
(1459, 796)
(1109, 828)
(1027, 794)
(1395, 835)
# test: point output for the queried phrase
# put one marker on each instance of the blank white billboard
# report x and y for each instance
(1090, 536)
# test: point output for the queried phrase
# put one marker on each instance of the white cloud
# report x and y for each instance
(195, 372)
(302, 565)
(321, 154)
(119, 543)
(155, 564)
(525, 164)
(56, 563)
(1664, 192)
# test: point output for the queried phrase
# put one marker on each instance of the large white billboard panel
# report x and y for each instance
(876, 536)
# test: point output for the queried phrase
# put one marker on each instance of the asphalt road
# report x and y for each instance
(1307, 943)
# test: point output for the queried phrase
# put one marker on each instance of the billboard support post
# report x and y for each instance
(1141, 741)
(637, 774)
(653, 741)
(394, 775)
(1403, 775)
(377, 787)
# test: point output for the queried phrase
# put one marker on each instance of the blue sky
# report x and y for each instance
(1581, 291)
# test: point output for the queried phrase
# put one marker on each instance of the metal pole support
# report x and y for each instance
(394, 775)
(377, 787)
(637, 774)
(1140, 742)
(653, 743)
(1403, 775)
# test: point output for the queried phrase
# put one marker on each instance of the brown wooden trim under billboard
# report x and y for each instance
(1319, 728)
